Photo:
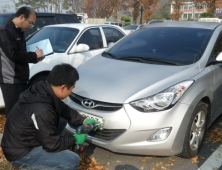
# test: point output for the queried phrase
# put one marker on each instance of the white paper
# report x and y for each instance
(45, 45)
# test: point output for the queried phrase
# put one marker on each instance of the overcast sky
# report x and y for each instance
(10, 6)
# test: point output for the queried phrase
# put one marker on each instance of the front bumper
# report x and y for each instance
(139, 127)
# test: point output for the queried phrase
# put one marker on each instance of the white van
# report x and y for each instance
(210, 20)
(83, 17)
(114, 23)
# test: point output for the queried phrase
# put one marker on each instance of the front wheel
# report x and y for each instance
(196, 131)
(38, 78)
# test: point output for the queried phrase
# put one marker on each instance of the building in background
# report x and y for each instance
(190, 11)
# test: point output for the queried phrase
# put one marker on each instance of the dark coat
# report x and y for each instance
(14, 57)
(33, 122)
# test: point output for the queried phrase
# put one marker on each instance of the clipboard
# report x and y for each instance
(45, 45)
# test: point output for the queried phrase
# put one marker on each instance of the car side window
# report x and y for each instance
(218, 46)
(112, 34)
(43, 21)
(39, 23)
(91, 37)
(64, 19)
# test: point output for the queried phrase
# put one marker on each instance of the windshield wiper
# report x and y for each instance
(110, 54)
(145, 59)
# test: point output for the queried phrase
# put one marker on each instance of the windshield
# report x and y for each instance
(131, 27)
(4, 18)
(60, 37)
(178, 45)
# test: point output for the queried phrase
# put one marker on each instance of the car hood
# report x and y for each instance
(117, 81)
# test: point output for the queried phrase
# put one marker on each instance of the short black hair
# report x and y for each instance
(63, 74)
(26, 11)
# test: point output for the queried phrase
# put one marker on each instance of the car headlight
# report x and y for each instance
(163, 100)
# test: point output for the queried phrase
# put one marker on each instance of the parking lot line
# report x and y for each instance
(214, 161)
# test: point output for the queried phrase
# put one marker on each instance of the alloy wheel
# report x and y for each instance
(197, 130)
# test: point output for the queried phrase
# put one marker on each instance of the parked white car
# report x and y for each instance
(131, 28)
(73, 44)
(210, 20)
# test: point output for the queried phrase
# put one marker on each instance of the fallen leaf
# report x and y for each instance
(142, 159)
(158, 164)
(214, 135)
(171, 159)
(168, 165)
(194, 159)
(164, 168)
(118, 161)
(150, 157)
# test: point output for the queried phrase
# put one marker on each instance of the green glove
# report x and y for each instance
(80, 139)
(92, 121)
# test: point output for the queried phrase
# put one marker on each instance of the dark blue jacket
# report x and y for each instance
(34, 120)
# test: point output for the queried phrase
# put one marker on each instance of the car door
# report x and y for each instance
(112, 34)
(217, 99)
(91, 37)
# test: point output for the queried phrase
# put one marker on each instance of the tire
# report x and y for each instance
(196, 131)
(37, 78)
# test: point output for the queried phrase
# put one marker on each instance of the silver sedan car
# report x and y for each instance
(156, 91)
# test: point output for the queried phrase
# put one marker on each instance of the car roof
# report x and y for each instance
(82, 26)
(39, 13)
(159, 20)
(133, 25)
(186, 24)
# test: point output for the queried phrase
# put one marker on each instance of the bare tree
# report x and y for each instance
(149, 7)
(135, 4)
(210, 4)
(73, 6)
(176, 5)
(104, 8)
(5, 8)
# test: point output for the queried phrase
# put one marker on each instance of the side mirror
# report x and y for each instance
(81, 48)
(110, 44)
(219, 57)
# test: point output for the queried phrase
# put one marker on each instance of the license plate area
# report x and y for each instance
(97, 118)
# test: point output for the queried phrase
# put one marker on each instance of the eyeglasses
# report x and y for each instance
(30, 23)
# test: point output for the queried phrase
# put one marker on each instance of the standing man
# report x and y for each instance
(14, 58)
(31, 138)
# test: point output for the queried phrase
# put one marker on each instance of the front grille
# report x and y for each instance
(105, 134)
(103, 106)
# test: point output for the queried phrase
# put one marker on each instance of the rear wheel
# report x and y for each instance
(38, 78)
(195, 132)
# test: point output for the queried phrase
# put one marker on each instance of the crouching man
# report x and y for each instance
(31, 139)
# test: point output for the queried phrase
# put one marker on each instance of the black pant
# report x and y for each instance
(11, 94)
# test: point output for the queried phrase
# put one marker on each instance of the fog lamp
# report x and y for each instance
(162, 134)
